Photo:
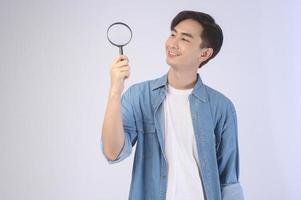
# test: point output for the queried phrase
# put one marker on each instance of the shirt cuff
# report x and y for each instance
(232, 192)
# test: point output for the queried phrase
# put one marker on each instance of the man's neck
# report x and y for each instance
(181, 80)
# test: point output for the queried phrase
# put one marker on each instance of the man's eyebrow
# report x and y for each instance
(183, 33)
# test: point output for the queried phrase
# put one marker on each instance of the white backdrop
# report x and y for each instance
(54, 80)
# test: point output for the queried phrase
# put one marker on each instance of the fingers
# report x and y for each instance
(124, 68)
(120, 68)
(121, 74)
(120, 58)
(120, 61)
(125, 74)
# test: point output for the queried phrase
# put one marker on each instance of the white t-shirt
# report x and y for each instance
(184, 182)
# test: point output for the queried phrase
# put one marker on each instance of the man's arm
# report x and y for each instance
(228, 156)
(112, 136)
(112, 130)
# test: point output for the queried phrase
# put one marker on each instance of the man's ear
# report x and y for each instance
(205, 54)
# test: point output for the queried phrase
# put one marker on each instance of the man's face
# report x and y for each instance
(183, 45)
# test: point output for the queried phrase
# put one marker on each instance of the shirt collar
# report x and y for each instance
(199, 90)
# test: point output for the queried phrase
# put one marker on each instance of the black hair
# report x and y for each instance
(212, 35)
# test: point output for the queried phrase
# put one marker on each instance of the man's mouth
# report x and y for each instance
(173, 54)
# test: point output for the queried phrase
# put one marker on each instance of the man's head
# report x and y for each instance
(195, 38)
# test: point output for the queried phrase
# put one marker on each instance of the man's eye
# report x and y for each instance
(184, 39)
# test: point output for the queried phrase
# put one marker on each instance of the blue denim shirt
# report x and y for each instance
(215, 129)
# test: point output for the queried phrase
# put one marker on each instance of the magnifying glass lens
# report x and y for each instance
(119, 34)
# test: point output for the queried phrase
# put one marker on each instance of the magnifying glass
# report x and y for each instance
(119, 34)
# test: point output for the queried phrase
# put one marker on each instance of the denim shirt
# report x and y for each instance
(215, 129)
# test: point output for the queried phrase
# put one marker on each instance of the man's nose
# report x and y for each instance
(174, 43)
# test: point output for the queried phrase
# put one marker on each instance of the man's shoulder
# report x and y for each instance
(140, 86)
(140, 93)
(146, 85)
(217, 98)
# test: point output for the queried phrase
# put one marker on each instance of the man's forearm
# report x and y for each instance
(112, 130)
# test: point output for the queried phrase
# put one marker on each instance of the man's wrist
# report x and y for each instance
(114, 94)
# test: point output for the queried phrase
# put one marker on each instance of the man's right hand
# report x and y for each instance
(120, 70)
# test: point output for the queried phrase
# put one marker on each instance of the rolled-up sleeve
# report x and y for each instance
(129, 127)
(228, 156)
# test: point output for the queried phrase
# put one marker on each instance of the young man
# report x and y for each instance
(185, 132)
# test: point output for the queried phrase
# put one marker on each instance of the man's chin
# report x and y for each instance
(172, 64)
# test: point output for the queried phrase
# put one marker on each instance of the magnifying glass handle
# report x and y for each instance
(120, 50)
